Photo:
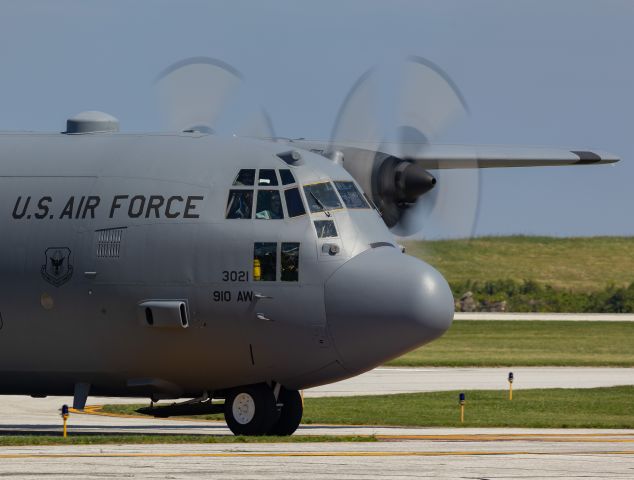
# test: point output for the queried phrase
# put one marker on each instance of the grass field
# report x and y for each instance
(580, 264)
(525, 343)
(543, 408)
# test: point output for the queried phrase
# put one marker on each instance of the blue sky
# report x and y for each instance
(543, 72)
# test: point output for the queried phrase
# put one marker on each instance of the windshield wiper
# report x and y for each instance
(320, 203)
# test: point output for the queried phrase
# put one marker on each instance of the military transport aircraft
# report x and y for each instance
(194, 265)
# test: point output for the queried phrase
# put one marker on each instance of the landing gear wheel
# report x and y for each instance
(251, 410)
(291, 414)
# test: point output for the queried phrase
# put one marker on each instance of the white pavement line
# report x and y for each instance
(567, 317)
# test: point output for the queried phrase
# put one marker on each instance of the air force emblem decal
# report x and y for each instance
(58, 268)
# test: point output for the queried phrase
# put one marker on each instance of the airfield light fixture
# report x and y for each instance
(65, 419)
(510, 385)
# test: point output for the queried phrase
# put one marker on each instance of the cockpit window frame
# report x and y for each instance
(280, 188)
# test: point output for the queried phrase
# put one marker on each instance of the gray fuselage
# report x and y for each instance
(108, 241)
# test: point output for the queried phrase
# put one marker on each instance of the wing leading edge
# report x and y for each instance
(459, 156)
(441, 157)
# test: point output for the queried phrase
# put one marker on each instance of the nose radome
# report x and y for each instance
(382, 304)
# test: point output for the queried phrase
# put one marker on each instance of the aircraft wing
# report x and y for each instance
(469, 156)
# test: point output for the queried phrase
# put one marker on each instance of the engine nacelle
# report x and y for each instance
(393, 184)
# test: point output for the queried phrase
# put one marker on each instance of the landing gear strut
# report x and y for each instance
(253, 410)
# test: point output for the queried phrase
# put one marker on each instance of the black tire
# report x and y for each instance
(251, 410)
(291, 413)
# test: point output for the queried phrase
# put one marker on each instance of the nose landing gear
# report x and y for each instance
(253, 410)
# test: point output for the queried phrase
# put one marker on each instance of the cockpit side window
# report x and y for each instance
(321, 197)
(290, 262)
(287, 176)
(294, 205)
(267, 178)
(350, 195)
(245, 177)
(325, 228)
(239, 204)
(269, 205)
(265, 261)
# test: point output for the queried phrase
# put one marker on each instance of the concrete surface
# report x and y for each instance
(475, 457)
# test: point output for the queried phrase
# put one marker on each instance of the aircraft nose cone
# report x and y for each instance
(382, 304)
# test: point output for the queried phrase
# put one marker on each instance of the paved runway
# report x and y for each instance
(481, 456)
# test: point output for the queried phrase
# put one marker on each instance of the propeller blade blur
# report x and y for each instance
(194, 92)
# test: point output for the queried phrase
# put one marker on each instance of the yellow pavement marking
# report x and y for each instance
(97, 410)
(303, 454)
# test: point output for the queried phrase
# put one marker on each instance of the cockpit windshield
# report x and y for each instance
(321, 197)
(269, 205)
(350, 195)
(256, 194)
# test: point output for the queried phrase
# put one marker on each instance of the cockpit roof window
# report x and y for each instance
(350, 195)
(287, 176)
(245, 177)
(267, 178)
(321, 197)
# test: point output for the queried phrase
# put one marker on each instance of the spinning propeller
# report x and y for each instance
(195, 92)
(379, 146)
(411, 198)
